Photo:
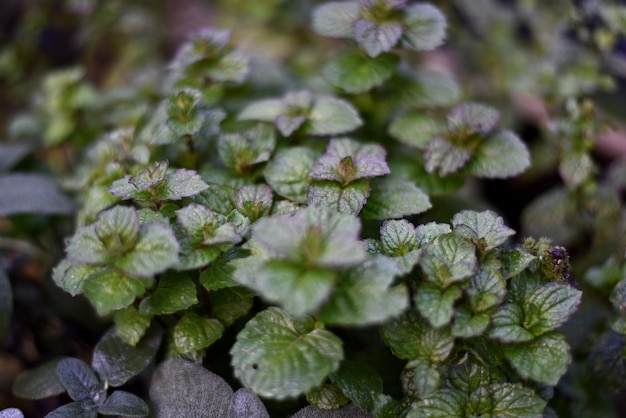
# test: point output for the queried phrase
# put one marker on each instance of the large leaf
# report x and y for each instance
(84, 409)
(279, 357)
(551, 306)
(415, 129)
(355, 72)
(183, 389)
(515, 401)
(360, 382)
(32, 193)
(116, 361)
(445, 403)
(429, 88)
(393, 197)
(131, 325)
(175, 292)
(544, 359)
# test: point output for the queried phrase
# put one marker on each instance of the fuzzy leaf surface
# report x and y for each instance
(375, 38)
(124, 404)
(448, 259)
(348, 199)
(246, 404)
(486, 229)
(335, 19)
(346, 160)
(80, 380)
(501, 155)
(109, 290)
(424, 27)
(155, 251)
(32, 193)
(39, 382)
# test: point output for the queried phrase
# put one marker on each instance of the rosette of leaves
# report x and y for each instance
(380, 25)
(305, 112)
(114, 260)
(473, 144)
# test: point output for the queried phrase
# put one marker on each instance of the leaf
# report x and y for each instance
(232, 67)
(424, 378)
(375, 38)
(435, 304)
(156, 250)
(507, 325)
(255, 201)
(80, 381)
(467, 325)
(346, 160)
(348, 411)
(131, 325)
(428, 89)
(485, 229)
(575, 167)
(174, 292)
(415, 129)
(335, 19)
(364, 295)
(219, 274)
(154, 187)
(327, 397)
(501, 155)
(544, 359)
(448, 259)
(515, 401)
(11, 413)
(358, 73)
(279, 357)
(230, 304)
(360, 382)
(183, 389)
(193, 332)
(266, 110)
(75, 410)
(348, 199)
(469, 374)
(554, 215)
(487, 289)
(514, 262)
(473, 118)
(116, 361)
(444, 403)
(398, 237)
(217, 197)
(429, 232)
(32, 193)
(618, 297)
(40, 382)
(331, 116)
(288, 172)
(109, 290)
(410, 337)
(6, 305)
(124, 404)
(445, 158)
(239, 151)
(12, 152)
(182, 183)
(393, 197)
(245, 404)
(424, 27)
(554, 303)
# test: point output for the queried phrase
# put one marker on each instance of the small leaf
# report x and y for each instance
(331, 116)
(156, 250)
(279, 357)
(425, 377)
(360, 382)
(335, 19)
(245, 404)
(217, 197)
(487, 289)
(155, 186)
(444, 403)
(357, 73)
(435, 304)
(514, 262)
(507, 325)
(375, 38)
(232, 67)
(32, 193)
(183, 389)
(467, 325)
(555, 303)
(424, 27)
(575, 167)
(429, 232)
(469, 374)
(393, 197)
(124, 404)
(410, 337)
(219, 274)
(80, 380)
(182, 183)
(193, 332)
(288, 172)
(116, 361)
(415, 129)
(398, 237)
(347, 160)
(501, 155)
(109, 290)
(347, 199)
(486, 229)
(174, 292)
(327, 397)
(131, 325)
(473, 118)
(448, 259)
(544, 359)
(6, 305)
(254, 202)
(445, 158)
(39, 383)
(240, 151)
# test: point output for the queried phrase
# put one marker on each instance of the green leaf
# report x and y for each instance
(472, 118)
(279, 357)
(219, 274)
(429, 232)
(181, 388)
(217, 197)
(116, 361)
(124, 404)
(80, 380)
(393, 197)
(193, 332)
(32, 193)
(347, 199)
(469, 374)
(360, 382)
(335, 19)
(507, 324)
(363, 295)
(467, 325)
(410, 337)
(515, 401)
(554, 303)
(6, 305)
(424, 378)
(424, 27)
(232, 67)
(485, 229)
(155, 251)
(183, 111)
(544, 359)
(428, 89)
(155, 186)
(255, 201)
(514, 262)
(554, 214)
(230, 304)
(415, 129)
(487, 289)
(375, 38)
(501, 155)
(445, 158)
(436, 304)
(109, 290)
(266, 110)
(331, 116)
(355, 72)
(174, 292)
(398, 237)
(131, 325)
(445, 403)
(575, 167)
(39, 383)
(327, 397)
(448, 259)
(288, 172)
(240, 151)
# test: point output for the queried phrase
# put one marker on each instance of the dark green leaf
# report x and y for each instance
(487, 289)
(327, 397)
(444, 157)
(555, 303)
(124, 404)
(398, 237)
(467, 325)
(359, 382)
(217, 197)
(219, 274)
(473, 118)
(80, 380)
(507, 324)
(131, 325)
(424, 377)
(193, 332)
(174, 292)
(435, 304)
(514, 262)
(32, 193)
(39, 383)
(468, 374)
(75, 410)
(445, 403)
(515, 401)
(108, 290)
(544, 359)
(231, 303)
(393, 197)
(428, 89)
(448, 259)
(116, 361)
(280, 357)
(254, 202)
(155, 251)
(357, 73)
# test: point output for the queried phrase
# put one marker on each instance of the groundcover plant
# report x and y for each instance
(296, 220)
